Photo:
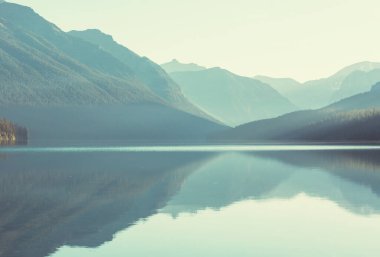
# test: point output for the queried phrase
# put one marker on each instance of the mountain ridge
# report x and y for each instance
(150, 73)
(354, 119)
(176, 66)
(231, 98)
(44, 67)
(317, 93)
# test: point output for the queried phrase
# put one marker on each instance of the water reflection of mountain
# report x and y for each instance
(50, 200)
(82, 199)
(360, 167)
(350, 179)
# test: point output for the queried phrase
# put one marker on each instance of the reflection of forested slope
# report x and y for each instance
(227, 179)
(361, 167)
(349, 179)
(81, 199)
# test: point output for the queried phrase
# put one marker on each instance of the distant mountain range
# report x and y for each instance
(44, 67)
(220, 95)
(356, 118)
(231, 98)
(51, 79)
(354, 79)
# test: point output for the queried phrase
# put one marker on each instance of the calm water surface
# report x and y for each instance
(183, 201)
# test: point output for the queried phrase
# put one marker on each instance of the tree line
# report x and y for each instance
(11, 133)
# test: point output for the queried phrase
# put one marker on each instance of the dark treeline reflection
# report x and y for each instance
(360, 167)
(82, 199)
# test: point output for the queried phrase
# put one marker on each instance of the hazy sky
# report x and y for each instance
(303, 39)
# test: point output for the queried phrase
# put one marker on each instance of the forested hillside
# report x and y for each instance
(353, 119)
(48, 72)
(11, 133)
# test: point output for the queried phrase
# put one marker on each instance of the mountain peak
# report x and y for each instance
(25, 17)
(221, 71)
(176, 66)
(365, 66)
(376, 87)
(263, 77)
(95, 31)
(16, 10)
(93, 35)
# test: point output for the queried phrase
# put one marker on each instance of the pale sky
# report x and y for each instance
(302, 39)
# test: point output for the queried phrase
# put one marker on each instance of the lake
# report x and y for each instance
(188, 201)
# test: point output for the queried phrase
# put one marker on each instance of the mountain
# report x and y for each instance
(354, 79)
(354, 119)
(361, 101)
(357, 82)
(44, 67)
(176, 66)
(319, 93)
(150, 73)
(285, 86)
(231, 98)
(361, 66)
(110, 124)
